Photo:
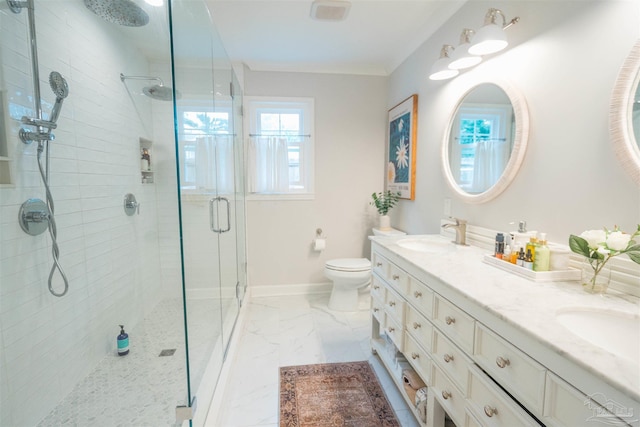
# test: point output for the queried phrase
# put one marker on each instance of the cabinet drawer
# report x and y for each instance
(399, 279)
(421, 297)
(378, 289)
(519, 374)
(455, 323)
(418, 358)
(449, 396)
(451, 360)
(394, 306)
(395, 332)
(377, 308)
(492, 406)
(419, 328)
(471, 421)
(566, 406)
(380, 265)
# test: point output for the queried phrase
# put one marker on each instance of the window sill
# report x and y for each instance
(280, 197)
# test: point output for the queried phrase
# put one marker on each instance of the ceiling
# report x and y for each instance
(280, 35)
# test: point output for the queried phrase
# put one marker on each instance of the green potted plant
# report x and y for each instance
(383, 202)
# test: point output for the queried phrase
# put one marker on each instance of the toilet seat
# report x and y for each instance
(349, 264)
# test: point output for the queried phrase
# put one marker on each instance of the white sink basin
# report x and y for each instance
(614, 331)
(426, 245)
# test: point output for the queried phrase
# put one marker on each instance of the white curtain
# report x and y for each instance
(214, 164)
(267, 165)
(488, 163)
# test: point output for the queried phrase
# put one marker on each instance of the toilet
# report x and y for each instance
(351, 275)
(348, 276)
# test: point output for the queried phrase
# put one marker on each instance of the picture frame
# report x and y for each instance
(401, 148)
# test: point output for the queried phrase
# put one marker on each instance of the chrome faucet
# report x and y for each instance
(461, 231)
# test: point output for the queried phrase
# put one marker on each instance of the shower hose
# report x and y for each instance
(52, 226)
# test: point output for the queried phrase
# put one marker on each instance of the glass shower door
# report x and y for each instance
(207, 169)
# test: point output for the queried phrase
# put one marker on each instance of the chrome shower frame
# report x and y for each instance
(43, 136)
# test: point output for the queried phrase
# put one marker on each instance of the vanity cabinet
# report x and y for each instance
(475, 375)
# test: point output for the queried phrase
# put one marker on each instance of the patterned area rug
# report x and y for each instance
(332, 395)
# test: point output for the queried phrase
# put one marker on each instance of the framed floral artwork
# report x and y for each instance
(401, 149)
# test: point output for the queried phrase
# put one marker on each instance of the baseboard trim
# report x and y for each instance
(291, 289)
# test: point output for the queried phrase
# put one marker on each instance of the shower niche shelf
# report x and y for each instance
(146, 165)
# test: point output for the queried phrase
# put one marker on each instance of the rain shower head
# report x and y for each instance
(121, 12)
(158, 92)
(60, 89)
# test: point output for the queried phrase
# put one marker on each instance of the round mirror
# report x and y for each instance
(485, 141)
(624, 120)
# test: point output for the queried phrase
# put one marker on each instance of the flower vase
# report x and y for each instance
(385, 223)
(594, 278)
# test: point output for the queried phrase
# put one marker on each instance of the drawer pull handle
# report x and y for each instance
(416, 325)
(415, 356)
(392, 303)
(391, 328)
(417, 294)
(378, 264)
(489, 411)
(449, 320)
(502, 362)
(375, 309)
(447, 358)
(376, 287)
(445, 394)
(396, 277)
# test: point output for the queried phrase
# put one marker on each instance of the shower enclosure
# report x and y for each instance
(144, 165)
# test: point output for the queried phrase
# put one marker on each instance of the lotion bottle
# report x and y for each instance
(123, 342)
(543, 255)
(531, 247)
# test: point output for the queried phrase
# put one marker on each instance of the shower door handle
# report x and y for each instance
(228, 214)
(212, 215)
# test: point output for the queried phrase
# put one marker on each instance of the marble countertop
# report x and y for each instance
(529, 307)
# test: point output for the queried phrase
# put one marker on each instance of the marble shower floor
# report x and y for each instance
(142, 389)
(294, 330)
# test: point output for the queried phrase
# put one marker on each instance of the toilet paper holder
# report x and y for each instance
(319, 243)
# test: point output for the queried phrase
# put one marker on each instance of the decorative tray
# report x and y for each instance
(536, 276)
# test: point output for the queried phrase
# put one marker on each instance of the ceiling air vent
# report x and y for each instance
(330, 10)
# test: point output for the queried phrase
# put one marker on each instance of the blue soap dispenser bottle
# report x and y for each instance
(123, 342)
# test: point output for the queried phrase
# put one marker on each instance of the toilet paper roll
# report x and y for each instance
(319, 244)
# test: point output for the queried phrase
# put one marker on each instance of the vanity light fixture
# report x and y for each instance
(491, 37)
(461, 58)
(440, 69)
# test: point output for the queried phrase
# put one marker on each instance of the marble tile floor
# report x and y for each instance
(294, 330)
(142, 389)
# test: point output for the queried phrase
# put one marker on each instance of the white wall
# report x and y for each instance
(112, 260)
(350, 122)
(564, 58)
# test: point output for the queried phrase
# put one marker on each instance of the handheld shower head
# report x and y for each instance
(60, 89)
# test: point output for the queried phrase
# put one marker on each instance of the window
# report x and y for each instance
(206, 140)
(482, 148)
(280, 148)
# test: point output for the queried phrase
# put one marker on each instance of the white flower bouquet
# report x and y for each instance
(599, 246)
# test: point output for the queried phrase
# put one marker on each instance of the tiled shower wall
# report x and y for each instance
(111, 259)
